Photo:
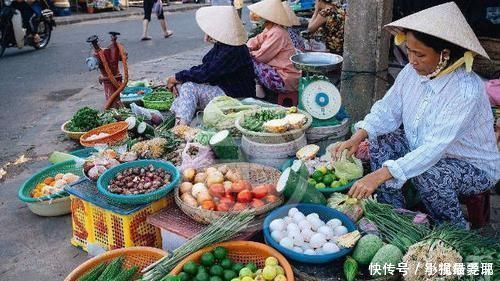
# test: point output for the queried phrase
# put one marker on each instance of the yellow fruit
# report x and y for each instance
(246, 278)
(258, 272)
(323, 170)
(280, 278)
(280, 270)
(271, 261)
(259, 278)
(269, 272)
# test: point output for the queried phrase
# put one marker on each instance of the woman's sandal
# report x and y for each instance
(169, 33)
(147, 38)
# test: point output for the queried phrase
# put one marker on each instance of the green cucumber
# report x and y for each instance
(111, 270)
(132, 123)
(223, 146)
(145, 129)
(299, 167)
(126, 274)
(351, 269)
(297, 190)
(94, 273)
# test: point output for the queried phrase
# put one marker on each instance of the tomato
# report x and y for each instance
(271, 189)
(239, 186)
(227, 200)
(271, 199)
(244, 196)
(223, 207)
(240, 207)
(217, 190)
(256, 203)
(260, 191)
(208, 205)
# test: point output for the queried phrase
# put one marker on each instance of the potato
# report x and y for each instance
(189, 174)
(200, 178)
(186, 187)
(215, 177)
(211, 170)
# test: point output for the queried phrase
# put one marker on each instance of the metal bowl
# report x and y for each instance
(317, 62)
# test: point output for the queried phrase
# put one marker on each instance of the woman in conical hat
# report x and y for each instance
(227, 69)
(434, 126)
(272, 48)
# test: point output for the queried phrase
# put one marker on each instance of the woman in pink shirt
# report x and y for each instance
(271, 50)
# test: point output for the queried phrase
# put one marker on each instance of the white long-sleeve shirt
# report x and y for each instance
(446, 117)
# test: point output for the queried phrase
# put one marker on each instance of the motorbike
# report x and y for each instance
(12, 32)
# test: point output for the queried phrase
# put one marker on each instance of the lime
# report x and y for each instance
(322, 169)
(226, 263)
(247, 278)
(252, 266)
(237, 267)
(184, 276)
(280, 270)
(190, 267)
(171, 277)
(335, 184)
(245, 271)
(202, 276)
(328, 179)
(220, 253)
(229, 275)
(207, 259)
(202, 269)
(269, 272)
(216, 270)
(215, 278)
(344, 181)
(311, 181)
(317, 176)
(320, 185)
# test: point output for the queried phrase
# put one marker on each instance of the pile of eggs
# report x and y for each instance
(307, 234)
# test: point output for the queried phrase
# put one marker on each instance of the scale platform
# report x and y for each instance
(317, 95)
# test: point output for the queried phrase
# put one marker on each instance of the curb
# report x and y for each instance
(110, 15)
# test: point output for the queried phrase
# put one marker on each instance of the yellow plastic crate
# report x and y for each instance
(109, 230)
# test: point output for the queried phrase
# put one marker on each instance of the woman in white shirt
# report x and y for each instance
(435, 125)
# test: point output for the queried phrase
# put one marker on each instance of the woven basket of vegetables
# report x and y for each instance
(72, 135)
(139, 257)
(251, 254)
(207, 194)
(108, 134)
(273, 126)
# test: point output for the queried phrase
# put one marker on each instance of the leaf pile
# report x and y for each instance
(85, 119)
(255, 121)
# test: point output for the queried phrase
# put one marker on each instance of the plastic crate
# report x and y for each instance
(112, 226)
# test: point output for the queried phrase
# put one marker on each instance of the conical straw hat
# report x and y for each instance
(444, 21)
(222, 24)
(271, 10)
(294, 20)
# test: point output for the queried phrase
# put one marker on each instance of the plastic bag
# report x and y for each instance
(151, 115)
(222, 112)
(349, 168)
(196, 156)
(351, 207)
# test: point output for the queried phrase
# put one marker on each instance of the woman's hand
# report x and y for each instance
(351, 144)
(367, 185)
(171, 83)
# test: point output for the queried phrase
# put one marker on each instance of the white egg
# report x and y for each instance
(327, 231)
(339, 231)
(277, 235)
(292, 234)
(333, 223)
(330, 248)
(287, 243)
(312, 216)
(292, 212)
(298, 240)
(298, 217)
(319, 251)
(307, 234)
(305, 225)
(288, 220)
(310, 252)
(298, 250)
(277, 224)
(317, 240)
(292, 226)
(315, 224)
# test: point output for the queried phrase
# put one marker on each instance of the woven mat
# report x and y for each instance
(172, 219)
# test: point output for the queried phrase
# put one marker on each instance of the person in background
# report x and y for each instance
(31, 11)
(435, 125)
(272, 48)
(155, 6)
(327, 23)
(294, 30)
(227, 69)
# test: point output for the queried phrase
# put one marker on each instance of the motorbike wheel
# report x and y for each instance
(44, 31)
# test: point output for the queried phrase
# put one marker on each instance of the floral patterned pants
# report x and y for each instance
(268, 77)
(439, 187)
(193, 96)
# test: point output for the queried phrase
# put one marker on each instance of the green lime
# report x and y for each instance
(184, 276)
(245, 271)
(335, 184)
(215, 278)
(328, 179)
(190, 267)
(252, 266)
(344, 181)
(202, 276)
(323, 170)
(226, 264)
(237, 267)
(317, 176)
(171, 277)
(320, 185)
(220, 253)
(216, 270)
(311, 181)
(207, 259)
(202, 269)
(229, 275)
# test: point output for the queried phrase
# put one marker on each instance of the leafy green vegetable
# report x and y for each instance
(255, 121)
(113, 115)
(85, 119)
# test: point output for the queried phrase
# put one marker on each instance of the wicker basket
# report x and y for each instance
(134, 256)
(72, 135)
(117, 132)
(254, 173)
(243, 252)
(263, 137)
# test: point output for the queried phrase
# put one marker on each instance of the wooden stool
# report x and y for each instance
(478, 209)
(288, 99)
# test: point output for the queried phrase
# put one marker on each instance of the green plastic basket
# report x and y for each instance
(70, 166)
(158, 105)
(104, 179)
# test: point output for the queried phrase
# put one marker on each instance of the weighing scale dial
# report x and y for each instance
(321, 99)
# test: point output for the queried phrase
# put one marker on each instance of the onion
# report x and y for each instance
(186, 187)
(189, 174)
(188, 199)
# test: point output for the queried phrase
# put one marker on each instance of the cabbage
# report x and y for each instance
(349, 168)
(221, 112)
